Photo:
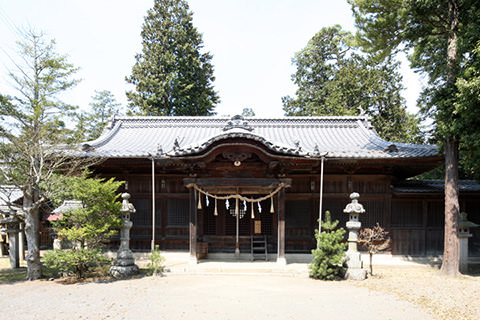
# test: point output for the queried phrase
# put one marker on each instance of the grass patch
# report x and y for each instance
(11, 275)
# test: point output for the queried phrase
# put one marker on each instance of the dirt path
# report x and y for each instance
(202, 297)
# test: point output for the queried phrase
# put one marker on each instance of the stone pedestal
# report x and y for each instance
(13, 247)
(124, 265)
(463, 263)
(353, 258)
(12, 231)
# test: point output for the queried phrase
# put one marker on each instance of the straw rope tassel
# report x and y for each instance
(215, 212)
(253, 211)
(236, 206)
(199, 200)
(272, 209)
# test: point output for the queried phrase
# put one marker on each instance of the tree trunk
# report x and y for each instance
(32, 233)
(450, 263)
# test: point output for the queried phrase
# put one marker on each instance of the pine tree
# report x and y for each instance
(171, 76)
(329, 256)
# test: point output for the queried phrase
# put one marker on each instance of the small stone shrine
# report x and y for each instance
(124, 265)
(354, 262)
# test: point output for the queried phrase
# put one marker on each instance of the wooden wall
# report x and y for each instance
(415, 221)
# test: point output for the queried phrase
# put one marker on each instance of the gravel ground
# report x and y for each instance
(443, 298)
(202, 297)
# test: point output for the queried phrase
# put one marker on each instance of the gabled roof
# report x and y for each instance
(170, 137)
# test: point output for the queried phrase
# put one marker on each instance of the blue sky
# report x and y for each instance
(252, 43)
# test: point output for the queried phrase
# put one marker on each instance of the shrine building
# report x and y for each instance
(220, 184)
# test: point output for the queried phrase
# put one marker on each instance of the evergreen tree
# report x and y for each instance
(329, 256)
(440, 37)
(32, 132)
(90, 124)
(336, 78)
(171, 75)
(87, 227)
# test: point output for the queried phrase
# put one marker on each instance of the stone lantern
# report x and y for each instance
(464, 233)
(124, 265)
(354, 262)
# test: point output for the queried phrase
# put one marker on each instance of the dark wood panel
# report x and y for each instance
(408, 242)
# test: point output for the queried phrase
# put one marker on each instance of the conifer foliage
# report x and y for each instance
(329, 256)
(172, 77)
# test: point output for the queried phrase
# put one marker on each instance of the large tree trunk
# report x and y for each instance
(450, 263)
(32, 233)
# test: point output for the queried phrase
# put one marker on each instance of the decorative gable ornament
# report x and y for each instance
(237, 122)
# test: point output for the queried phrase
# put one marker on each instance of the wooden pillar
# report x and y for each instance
(281, 228)
(193, 227)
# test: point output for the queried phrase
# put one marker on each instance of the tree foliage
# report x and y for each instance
(33, 131)
(87, 227)
(99, 216)
(171, 75)
(90, 124)
(79, 262)
(336, 78)
(440, 37)
(329, 256)
(103, 107)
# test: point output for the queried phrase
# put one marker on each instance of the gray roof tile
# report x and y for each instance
(338, 137)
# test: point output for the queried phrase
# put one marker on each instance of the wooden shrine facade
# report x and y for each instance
(180, 170)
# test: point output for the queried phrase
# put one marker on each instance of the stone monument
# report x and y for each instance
(124, 265)
(354, 262)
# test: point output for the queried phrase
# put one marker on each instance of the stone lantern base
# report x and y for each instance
(354, 267)
(124, 266)
(123, 271)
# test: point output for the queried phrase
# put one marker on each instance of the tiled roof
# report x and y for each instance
(337, 137)
(433, 186)
(8, 194)
(66, 206)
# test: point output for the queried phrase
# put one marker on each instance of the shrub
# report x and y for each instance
(329, 256)
(156, 265)
(375, 239)
(79, 262)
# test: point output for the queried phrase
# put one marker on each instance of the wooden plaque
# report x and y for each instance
(257, 226)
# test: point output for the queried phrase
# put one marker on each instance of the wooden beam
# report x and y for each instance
(237, 182)
(193, 226)
(281, 228)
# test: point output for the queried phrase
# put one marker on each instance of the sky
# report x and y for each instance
(252, 43)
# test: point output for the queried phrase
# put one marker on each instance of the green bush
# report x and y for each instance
(329, 256)
(79, 262)
(156, 265)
